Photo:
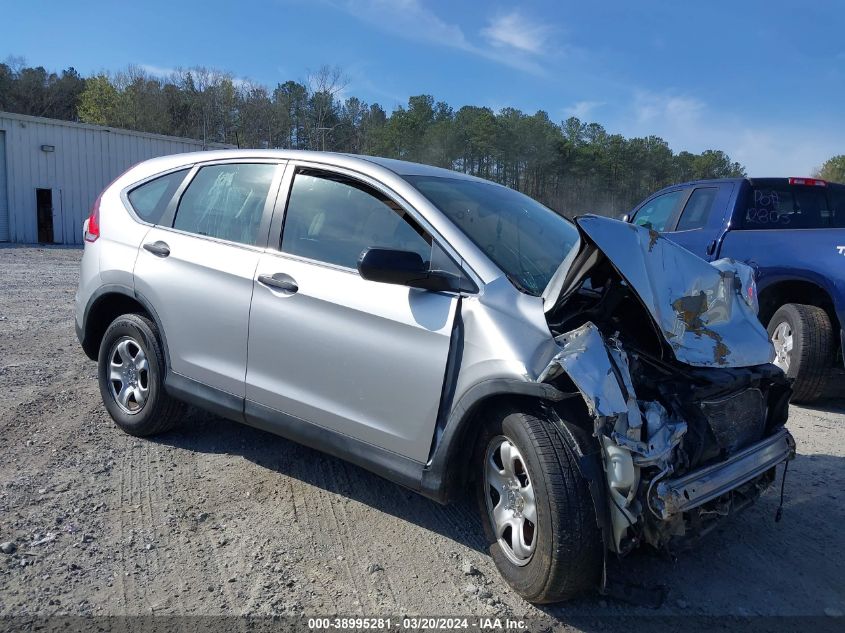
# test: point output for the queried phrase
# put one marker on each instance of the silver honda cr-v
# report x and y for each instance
(594, 385)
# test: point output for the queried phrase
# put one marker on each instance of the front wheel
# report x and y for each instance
(536, 509)
(803, 339)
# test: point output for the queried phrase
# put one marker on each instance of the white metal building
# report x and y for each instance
(51, 172)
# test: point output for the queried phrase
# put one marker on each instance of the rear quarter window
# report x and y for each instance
(786, 207)
(149, 201)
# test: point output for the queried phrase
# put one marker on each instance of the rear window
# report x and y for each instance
(783, 206)
(836, 194)
(150, 199)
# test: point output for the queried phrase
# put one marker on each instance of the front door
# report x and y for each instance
(702, 219)
(361, 358)
(197, 270)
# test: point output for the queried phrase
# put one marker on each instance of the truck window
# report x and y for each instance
(657, 212)
(697, 210)
(787, 207)
(837, 206)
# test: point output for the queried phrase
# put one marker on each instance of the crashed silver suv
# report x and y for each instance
(595, 386)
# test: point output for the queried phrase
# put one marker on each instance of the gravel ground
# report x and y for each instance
(218, 518)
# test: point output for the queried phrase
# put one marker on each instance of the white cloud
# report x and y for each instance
(764, 148)
(650, 107)
(408, 19)
(413, 20)
(582, 109)
(157, 71)
(517, 32)
(778, 151)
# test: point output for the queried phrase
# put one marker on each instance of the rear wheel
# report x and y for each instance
(131, 377)
(803, 339)
(536, 509)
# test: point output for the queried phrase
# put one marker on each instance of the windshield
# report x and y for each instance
(522, 237)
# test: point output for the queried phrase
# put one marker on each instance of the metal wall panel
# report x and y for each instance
(4, 194)
(85, 159)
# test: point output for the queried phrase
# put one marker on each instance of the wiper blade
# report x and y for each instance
(519, 285)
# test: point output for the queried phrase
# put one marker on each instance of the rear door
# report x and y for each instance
(361, 358)
(701, 219)
(196, 267)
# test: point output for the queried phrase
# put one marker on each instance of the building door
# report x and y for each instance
(4, 195)
(44, 210)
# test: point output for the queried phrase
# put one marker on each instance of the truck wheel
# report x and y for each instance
(803, 340)
(536, 509)
(131, 377)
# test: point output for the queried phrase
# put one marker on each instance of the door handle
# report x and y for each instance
(159, 248)
(279, 281)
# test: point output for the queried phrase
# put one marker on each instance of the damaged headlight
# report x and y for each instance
(744, 278)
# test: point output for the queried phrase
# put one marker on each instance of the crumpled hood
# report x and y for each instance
(705, 312)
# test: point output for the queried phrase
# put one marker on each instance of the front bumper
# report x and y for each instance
(698, 487)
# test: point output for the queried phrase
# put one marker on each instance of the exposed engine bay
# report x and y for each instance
(681, 442)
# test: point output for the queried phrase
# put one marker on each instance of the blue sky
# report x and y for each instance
(762, 80)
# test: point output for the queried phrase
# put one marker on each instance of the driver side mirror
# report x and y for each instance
(403, 268)
(626, 217)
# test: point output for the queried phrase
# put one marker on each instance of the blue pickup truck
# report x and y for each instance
(792, 232)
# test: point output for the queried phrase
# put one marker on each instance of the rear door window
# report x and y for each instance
(150, 199)
(698, 208)
(656, 213)
(226, 201)
(787, 207)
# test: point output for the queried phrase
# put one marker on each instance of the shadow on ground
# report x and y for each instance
(745, 568)
(834, 392)
(205, 433)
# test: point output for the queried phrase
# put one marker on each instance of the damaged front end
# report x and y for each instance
(673, 369)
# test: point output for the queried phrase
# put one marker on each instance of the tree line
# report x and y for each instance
(572, 166)
(833, 169)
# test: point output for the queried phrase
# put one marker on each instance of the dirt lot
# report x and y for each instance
(219, 518)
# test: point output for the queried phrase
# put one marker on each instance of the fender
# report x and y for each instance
(833, 288)
(124, 290)
(442, 476)
(772, 277)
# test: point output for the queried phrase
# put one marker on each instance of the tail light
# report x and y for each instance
(92, 231)
(809, 182)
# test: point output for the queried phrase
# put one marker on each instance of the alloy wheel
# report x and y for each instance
(782, 340)
(129, 375)
(511, 505)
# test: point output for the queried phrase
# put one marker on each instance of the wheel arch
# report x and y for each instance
(784, 291)
(104, 306)
(446, 474)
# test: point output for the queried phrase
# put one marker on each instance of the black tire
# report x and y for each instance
(813, 346)
(567, 559)
(159, 412)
